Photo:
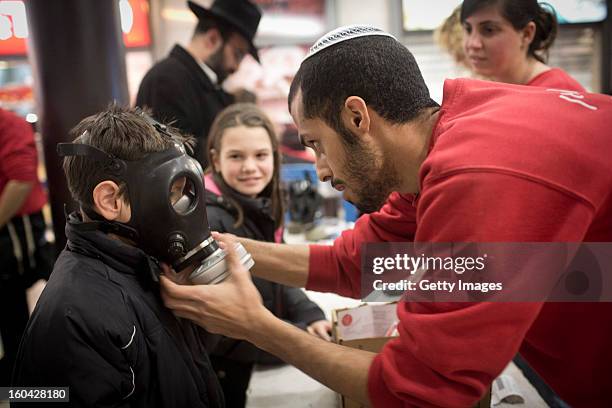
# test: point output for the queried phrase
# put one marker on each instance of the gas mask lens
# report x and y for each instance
(211, 266)
(182, 195)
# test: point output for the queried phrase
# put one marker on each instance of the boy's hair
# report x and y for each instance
(249, 115)
(121, 131)
(378, 69)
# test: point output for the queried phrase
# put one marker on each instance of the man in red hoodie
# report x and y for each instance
(22, 228)
(494, 163)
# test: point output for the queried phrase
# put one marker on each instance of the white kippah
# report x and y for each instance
(345, 33)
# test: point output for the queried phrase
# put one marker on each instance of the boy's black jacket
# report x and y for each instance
(101, 329)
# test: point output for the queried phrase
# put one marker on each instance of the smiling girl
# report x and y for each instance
(244, 198)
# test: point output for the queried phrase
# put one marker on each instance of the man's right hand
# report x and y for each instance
(233, 307)
(280, 263)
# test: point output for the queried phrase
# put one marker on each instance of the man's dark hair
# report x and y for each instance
(120, 131)
(378, 69)
(208, 23)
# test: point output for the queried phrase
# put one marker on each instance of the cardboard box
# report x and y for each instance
(375, 344)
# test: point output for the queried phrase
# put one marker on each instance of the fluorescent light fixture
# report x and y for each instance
(290, 26)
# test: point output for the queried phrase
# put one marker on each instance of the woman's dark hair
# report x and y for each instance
(519, 13)
(249, 115)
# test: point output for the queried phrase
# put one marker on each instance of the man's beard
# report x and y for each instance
(372, 178)
(215, 62)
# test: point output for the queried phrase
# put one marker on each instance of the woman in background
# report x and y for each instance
(244, 198)
(449, 37)
(508, 41)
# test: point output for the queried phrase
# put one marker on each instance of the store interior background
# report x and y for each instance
(287, 29)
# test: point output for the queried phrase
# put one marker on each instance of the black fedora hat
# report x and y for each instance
(242, 15)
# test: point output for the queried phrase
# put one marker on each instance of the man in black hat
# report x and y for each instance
(184, 88)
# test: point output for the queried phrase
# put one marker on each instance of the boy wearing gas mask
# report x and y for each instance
(100, 327)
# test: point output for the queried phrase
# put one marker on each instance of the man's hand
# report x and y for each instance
(233, 308)
(320, 328)
(223, 237)
(180, 278)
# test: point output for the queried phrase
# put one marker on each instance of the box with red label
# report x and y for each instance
(368, 327)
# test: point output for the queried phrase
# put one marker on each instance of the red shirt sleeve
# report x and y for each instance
(18, 156)
(19, 159)
(448, 353)
(337, 268)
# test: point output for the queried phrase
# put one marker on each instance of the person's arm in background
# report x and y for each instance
(14, 194)
(18, 159)
(334, 268)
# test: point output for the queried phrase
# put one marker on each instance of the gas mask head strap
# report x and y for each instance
(112, 165)
(160, 127)
(163, 130)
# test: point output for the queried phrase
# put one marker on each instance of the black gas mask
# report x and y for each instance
(166, 195)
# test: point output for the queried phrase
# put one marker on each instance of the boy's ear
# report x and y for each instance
(107, 201)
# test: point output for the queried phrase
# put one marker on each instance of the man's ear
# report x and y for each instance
(355, 115)
(107, 201)
(214, 39)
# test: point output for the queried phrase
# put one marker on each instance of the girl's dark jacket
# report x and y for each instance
(287, 303)
(101, 329)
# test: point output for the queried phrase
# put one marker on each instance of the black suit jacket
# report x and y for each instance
(180, 93)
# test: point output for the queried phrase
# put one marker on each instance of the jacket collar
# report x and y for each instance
(252, 206)
(257, 211)
(87, 238)
(209, 73)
